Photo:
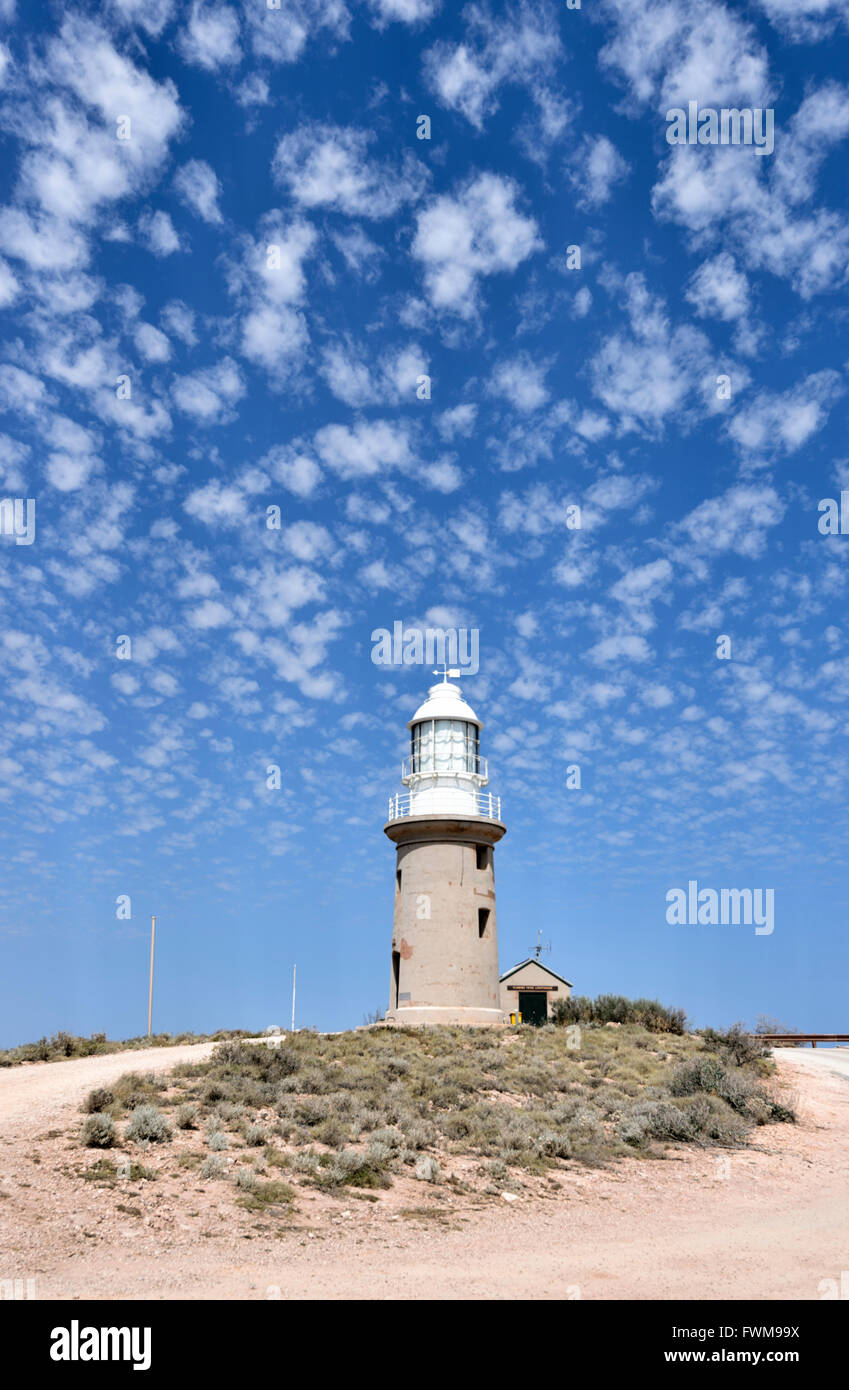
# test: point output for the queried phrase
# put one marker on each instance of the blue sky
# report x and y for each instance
(153, 153)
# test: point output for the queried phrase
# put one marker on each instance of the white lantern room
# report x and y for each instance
(444, 772)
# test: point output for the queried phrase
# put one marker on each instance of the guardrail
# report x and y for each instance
(425, 804)
(812, 1038)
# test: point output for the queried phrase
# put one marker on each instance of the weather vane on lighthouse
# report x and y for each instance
(448, 672)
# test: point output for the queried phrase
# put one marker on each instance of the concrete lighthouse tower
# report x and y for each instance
(444, 941)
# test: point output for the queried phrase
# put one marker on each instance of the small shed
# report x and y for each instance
(531, 989)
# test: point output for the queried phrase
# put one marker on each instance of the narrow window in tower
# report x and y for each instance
(483, 918)
(396, 977)
(482, 856)
(398, 879)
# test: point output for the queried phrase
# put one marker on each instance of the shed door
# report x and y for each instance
(532, 1006)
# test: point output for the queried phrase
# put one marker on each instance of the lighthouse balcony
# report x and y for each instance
(445, 801)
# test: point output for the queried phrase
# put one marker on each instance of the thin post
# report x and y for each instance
(294, 981)
(150, 994)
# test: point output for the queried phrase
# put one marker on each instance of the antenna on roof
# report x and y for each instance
(540, 946)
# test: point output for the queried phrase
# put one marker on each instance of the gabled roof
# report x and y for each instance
(532, 960)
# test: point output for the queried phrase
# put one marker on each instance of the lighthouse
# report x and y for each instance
(445, 827)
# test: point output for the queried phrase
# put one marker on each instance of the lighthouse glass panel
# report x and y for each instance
(444, 745)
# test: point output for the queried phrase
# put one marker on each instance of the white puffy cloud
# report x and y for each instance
(520, 381)
(643, 583)
(211, 37)
(9, 287)
(719, 290)
(150, 15)
(96, 129)
(209, 615)
(271, 595)
(151, 343)
(307, 541)
(443, 475)
(209, 394)
(365, 449)
(459, 420)
(361, 254)
(653, 372)
(197, 185)
(521, 46)
(617, 649)
(757, 203)
(403, 11)
(477, 231)
(805, 20)
(642, 586)
(328, 166)
(273, 336)
(737, 521)
(73, 459)
(391, 378)
(782, 421)
(179, 320)
(159, 233)
(13, 454)
(44, 243)
(670, 52)
(270, 283)
(21, 390)
(217, 504)
(296, 470)
(281, 35)
(595, 169)
(67, 472)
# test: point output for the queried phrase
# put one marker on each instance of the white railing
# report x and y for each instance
(473, 804)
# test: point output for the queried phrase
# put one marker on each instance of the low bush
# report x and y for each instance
(351, 1168)
(733, 1042)
(266, 1194)
(615, 1008)
(98, 1101)
(99, 1132)
(427, 1169)
(134, 1089)
(213, 1167)
(147, 1123)
(711, 1074)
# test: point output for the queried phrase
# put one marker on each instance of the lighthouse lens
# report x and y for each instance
(444, 746)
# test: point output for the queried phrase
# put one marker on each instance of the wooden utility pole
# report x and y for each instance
(150, 995)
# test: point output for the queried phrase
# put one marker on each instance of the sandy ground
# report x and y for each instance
(771, 1221)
